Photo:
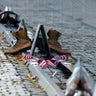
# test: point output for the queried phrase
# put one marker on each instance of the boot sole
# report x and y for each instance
(18, 50)
(59, 52)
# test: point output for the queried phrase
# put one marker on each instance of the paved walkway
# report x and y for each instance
(10, 83)
(15, 78)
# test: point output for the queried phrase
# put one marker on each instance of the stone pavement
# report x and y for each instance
(15, 78)
(10, 82)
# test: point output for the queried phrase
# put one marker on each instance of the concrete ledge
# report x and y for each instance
(91, 21)
(44, 80)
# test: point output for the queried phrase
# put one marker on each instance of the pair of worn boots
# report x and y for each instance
(24, 42)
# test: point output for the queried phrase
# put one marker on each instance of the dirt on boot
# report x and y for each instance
(22, 43)
(54, 44)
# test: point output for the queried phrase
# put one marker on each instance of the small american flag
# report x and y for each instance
(52, 62)
(46, 63)
(59, 58)
(28, 57)
(42, 63)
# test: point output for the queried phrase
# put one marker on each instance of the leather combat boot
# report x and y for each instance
(15, 34)
(23, 42)
(53, 43)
